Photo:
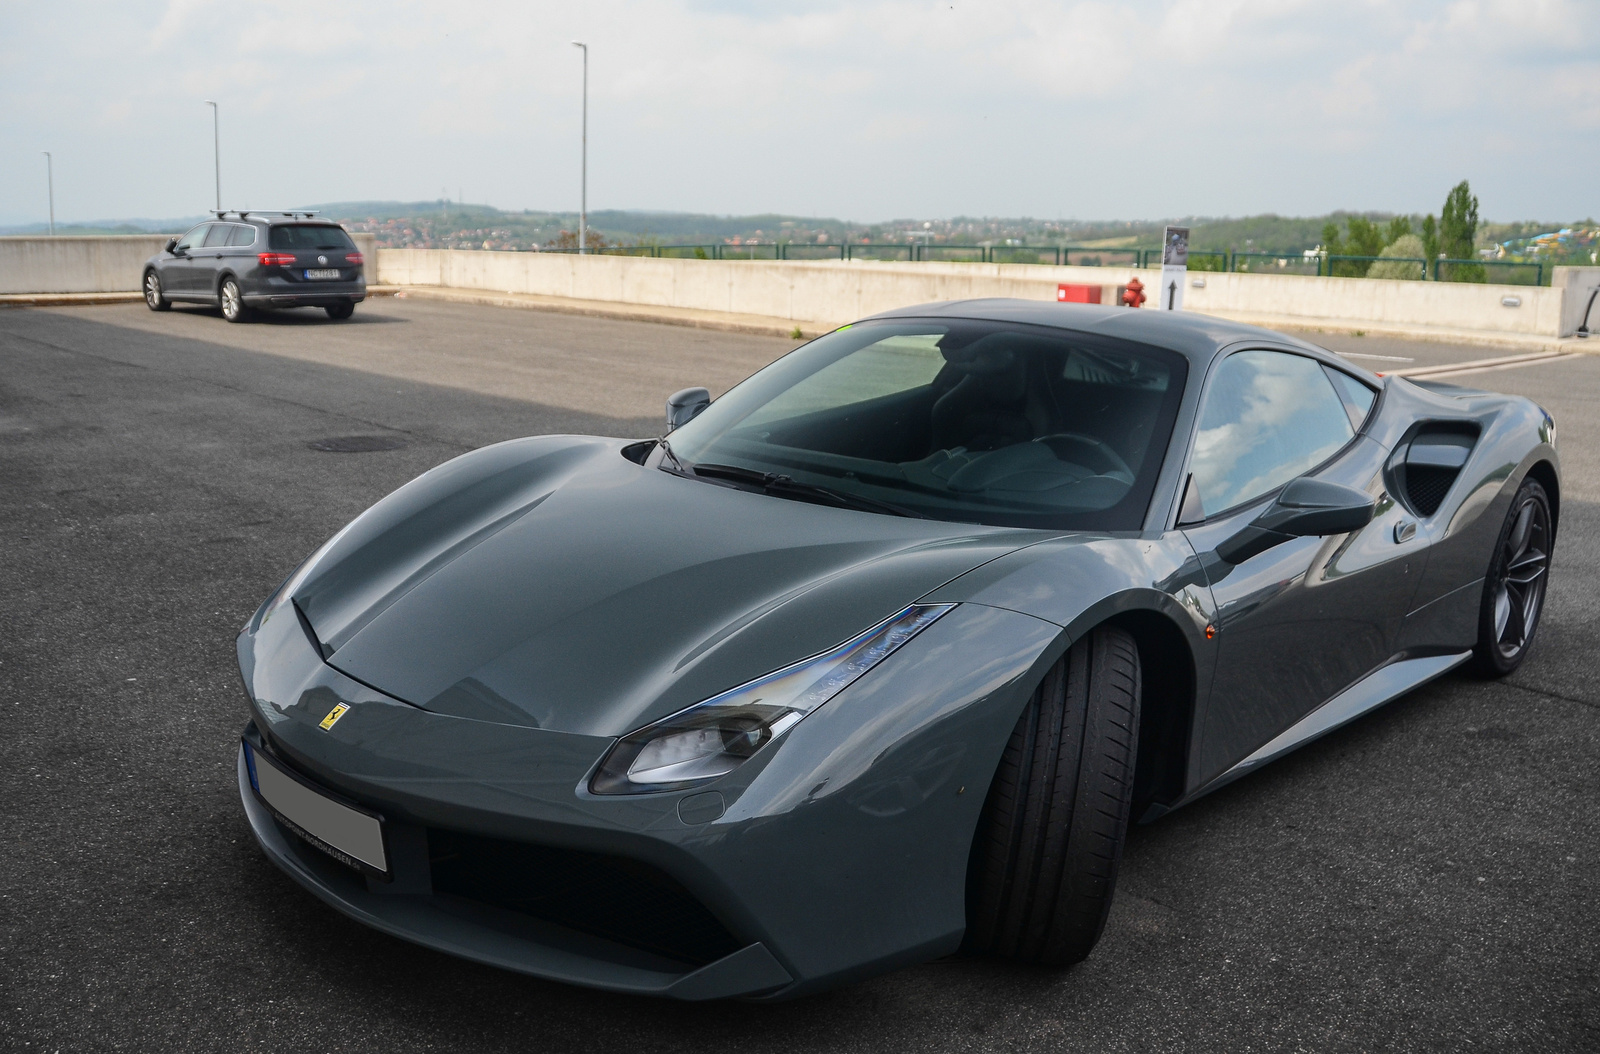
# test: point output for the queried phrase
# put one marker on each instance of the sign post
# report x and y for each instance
(1174, 267)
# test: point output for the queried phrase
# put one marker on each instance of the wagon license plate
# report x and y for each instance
(322, 272)
(352, 836)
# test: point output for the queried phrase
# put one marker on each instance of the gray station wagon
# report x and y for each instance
(246, 260)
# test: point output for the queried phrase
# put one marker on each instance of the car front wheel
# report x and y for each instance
(154, 298)
(1044, 864)
(233, 308)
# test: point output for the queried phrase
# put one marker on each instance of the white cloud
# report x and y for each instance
(862, 109)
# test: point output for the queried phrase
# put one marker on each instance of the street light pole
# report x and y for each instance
(583, 199)
(50, 181)
(216, 151)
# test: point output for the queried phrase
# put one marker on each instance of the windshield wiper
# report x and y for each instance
(780, 485)
(667, 455)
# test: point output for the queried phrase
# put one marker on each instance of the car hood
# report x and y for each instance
(556, 584)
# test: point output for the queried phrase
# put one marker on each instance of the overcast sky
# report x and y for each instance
(859, 109)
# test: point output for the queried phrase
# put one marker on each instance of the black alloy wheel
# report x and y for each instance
(233, 308)
(154, 298)
(337, 311)
(1513, 591)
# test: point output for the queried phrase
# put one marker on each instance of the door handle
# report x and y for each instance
(1404, 531)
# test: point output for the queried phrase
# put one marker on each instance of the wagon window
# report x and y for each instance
(193, 239)
(1269, 416)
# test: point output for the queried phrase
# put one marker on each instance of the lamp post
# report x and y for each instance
(50, 182)
(583, 196)
(216, 151)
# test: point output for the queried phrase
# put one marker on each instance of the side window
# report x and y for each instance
(1269, 416)
(243, 234)
(193, 239)
(218, 235)
(1357, 397)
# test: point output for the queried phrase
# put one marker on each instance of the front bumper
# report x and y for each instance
(840, 852)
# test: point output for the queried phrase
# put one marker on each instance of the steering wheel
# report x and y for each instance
(1090, 452)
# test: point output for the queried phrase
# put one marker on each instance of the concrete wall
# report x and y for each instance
(41, 264)
(95, 264)
(834, 292)
(1579, 284)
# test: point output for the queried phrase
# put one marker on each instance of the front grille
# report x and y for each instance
(1426, 487)
(622, 900)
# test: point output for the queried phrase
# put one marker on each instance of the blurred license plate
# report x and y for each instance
(323, 272)
(351, 836)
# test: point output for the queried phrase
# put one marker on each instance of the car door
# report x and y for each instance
(209, 260)
(1302, 621)
(180, 276)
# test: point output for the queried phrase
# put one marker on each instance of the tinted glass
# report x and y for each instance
(1357, 397)
(242, 234)
(306, 237)
(971, 421)
(1269, 417)
(218, 235)
(193, 239)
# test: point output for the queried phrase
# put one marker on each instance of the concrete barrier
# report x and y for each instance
(1578, 285)
(825, 293)
(830, 293)
(95, 263)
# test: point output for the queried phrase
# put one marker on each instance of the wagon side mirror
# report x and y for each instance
(1305, 508)
(172, 243)
(685, 406)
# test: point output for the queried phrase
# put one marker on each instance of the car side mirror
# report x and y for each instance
(1305, 508)
(685, 406)
(172, 243)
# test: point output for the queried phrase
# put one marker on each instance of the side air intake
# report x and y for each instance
(1425, 464)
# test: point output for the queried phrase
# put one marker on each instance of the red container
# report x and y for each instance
(1077, 294)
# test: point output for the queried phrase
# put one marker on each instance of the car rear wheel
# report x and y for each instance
(233, 308)
(154, 298)
(1044, 864)
(340, 310)
(1513, 591)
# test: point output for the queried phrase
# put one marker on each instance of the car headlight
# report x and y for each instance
(713, 738)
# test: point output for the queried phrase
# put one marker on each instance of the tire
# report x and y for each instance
(1514, 588)
(1044, 864)
(154, 298)
(338, 311)
(231, 301)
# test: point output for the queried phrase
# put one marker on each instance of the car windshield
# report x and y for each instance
(972, 421)
(289, 237)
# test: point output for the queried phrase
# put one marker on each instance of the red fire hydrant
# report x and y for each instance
(1133, 293)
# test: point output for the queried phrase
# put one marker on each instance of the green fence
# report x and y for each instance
(1337, 265)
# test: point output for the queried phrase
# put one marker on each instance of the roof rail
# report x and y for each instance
(245, 213)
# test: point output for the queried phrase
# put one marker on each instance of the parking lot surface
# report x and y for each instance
(1425, 879)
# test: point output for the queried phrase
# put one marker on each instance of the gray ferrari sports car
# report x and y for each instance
(874, 658)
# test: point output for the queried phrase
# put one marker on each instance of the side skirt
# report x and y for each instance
(1378, 687)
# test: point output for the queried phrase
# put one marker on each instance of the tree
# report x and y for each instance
(1458, 231)
(1399, 227)
(1405, 246)
(1366, 237)
(1430, 237)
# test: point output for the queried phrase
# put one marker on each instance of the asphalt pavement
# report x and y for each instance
(1425, 879)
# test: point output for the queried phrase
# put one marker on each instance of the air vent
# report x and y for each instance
(1425, 465)
(625, 901)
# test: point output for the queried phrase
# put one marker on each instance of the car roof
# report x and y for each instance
(1197, 337)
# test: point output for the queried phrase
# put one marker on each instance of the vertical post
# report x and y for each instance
(583, 192)
(216, 150)
(50, 183)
